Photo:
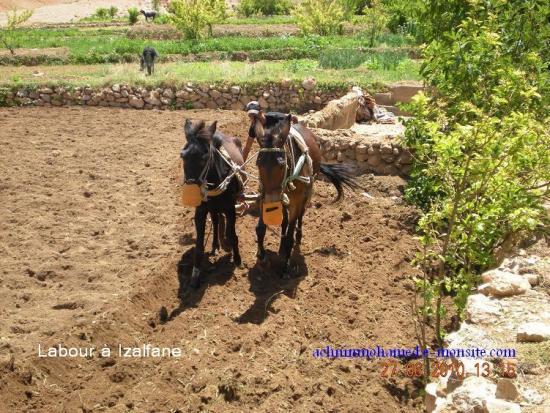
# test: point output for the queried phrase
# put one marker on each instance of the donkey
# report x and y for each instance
(205, 170)
(149, 15)
(147, 60)
(286, 188)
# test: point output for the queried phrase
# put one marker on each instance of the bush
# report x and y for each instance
(192, 17)
(113, 11)
(353, 7)
(101, 13)
(375, 20)
(8, 36)
(248, 8)
(323, 17)
(156, 5)
(133, 15)
(481, 171)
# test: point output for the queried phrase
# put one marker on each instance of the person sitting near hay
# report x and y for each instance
(369, 112)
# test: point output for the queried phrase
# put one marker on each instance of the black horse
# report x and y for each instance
(147, 60)
(148, 14)
(211, 186)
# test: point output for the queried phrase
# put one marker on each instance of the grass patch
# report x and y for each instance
(111, 44)
(284, 19)
(174, 74)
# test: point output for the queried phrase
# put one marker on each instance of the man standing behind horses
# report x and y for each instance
(268, 119)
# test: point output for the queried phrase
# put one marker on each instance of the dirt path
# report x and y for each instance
(91, 221)
(60, 11)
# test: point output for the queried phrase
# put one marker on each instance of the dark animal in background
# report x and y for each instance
(149, 14)
(204, 170)
(147, 60)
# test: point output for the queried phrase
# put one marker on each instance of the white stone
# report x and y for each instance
(215, 94)
(309, 83)
(481, 309)
(116, 88)
(501, 406)
(533, 332)
(504, 284)
(235, 90)
(136, 102)
(470, 397)
(532, 396)
(431, 397)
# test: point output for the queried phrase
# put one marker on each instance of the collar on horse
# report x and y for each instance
(235, 171)
(294, 167)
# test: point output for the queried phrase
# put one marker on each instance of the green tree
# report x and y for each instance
(323, 17)
(133, 15)
(375, 20)
(9, 34)
(193, 17)
(482, 165)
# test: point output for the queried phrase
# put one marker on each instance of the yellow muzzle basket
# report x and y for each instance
(272, 213)
(191, 195)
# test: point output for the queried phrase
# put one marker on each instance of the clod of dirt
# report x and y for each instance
(43, 275)
(107, 362)
(26, 377)
(87, 194)
(72, 305)
(163, 315)
(229, 391)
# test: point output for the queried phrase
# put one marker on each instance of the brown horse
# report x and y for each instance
(286, 180)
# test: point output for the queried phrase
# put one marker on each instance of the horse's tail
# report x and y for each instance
(340, 176)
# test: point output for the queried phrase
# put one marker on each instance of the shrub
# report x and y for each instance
(156, 5)
(353, 7)
(323, 17)
(375, 20)
(101, 13)
(192, 17)
(113, 11)
(133, 15)
(248, 8)
(9, 35)
(482, 166)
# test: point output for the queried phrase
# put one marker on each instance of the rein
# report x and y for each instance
(292, 171)
(224, 184)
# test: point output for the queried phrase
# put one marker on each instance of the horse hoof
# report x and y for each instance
(237, 261)
(195, 281)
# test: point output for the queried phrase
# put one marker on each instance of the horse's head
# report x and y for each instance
(271, 161)
(197, 159)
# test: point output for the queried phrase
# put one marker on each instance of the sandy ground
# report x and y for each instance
(94, 243)
(59, 11)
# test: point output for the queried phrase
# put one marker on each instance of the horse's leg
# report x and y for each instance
(284, 228)
(215, 226)
(299, 231)
(200, 225)
(260, 233)
(232, 234)
(287, 243)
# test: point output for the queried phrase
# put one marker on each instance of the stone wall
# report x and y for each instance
(283, 96)
(383, 155)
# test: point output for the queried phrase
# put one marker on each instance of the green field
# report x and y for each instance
(205, 72)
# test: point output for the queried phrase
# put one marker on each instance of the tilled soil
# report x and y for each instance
(95, 244)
